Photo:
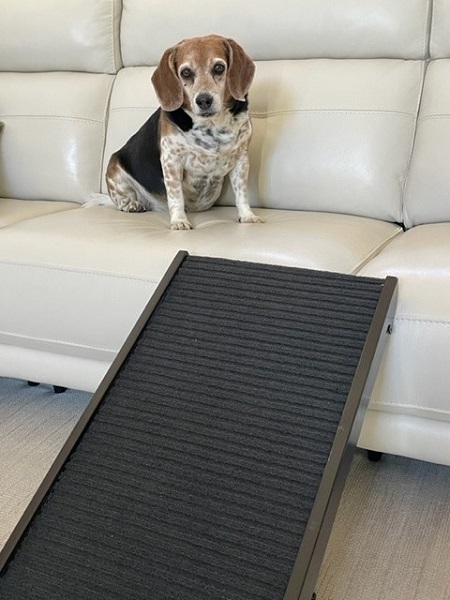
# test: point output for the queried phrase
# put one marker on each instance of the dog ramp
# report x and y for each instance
(210, 462)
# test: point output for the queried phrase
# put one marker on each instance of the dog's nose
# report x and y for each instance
(204, 101)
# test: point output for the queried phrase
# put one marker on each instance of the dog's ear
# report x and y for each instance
(167, 85)
(241, 70)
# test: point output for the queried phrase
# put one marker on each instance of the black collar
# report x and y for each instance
(238, 106)
(181, 119)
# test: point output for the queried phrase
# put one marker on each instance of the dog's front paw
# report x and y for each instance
(181, 225)
(250, 218)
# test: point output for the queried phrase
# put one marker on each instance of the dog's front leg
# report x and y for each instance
(239, 183)
(173, 176)
(175, 201)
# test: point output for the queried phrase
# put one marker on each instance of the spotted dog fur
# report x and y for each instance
(178, 159)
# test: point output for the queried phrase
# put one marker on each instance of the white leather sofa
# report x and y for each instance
(350, 169)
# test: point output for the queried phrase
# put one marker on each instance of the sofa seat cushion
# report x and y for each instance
(75, 282)
(13, 210)
(414, 378)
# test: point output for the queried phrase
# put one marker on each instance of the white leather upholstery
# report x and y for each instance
(427, 197)
(14, 211)
(414, 376)
(55, 35)
(52, 144)
(66, 370)
(415, 436)
(309, 111)
(285, 29)
(440, 26)
(333, 242)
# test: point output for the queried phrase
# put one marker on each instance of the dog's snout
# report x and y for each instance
(204, 101)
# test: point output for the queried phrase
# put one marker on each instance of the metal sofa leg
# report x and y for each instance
(59, 389)
(374, 456)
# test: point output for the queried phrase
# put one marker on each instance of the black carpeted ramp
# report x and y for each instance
(209, 464)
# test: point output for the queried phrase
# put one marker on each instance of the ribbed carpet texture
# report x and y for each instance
(197, 475)
(390, 540)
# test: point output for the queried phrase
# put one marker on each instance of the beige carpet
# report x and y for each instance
(391, 539)
(34, 423)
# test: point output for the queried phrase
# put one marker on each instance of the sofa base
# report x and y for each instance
(411, 436)
(56, 369)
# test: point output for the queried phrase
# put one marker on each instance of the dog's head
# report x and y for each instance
(202, 75)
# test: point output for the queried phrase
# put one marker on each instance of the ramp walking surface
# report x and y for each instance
(197, 472)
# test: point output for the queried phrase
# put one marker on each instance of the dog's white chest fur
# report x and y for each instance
(210, 153)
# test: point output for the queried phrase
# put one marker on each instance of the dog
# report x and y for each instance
(178, 159)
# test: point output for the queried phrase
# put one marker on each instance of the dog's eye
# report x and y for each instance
(218, 69)
(187, 73)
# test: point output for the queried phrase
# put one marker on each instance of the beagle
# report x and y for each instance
(178, 159)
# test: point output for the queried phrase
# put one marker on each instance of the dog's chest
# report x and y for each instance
(211, 153)
(211, 149)
(212, 139)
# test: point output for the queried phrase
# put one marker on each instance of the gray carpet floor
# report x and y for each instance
(390, 541)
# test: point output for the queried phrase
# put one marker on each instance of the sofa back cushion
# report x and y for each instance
(428, 190)
(329, 135)
(285, 29)
(57, 60)
(52, 145)
(440, 27)
(56, 35)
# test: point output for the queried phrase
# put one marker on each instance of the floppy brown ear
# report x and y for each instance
(241, 70)
(165, 80)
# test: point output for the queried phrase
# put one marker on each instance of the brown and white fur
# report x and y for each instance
(179, 158)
